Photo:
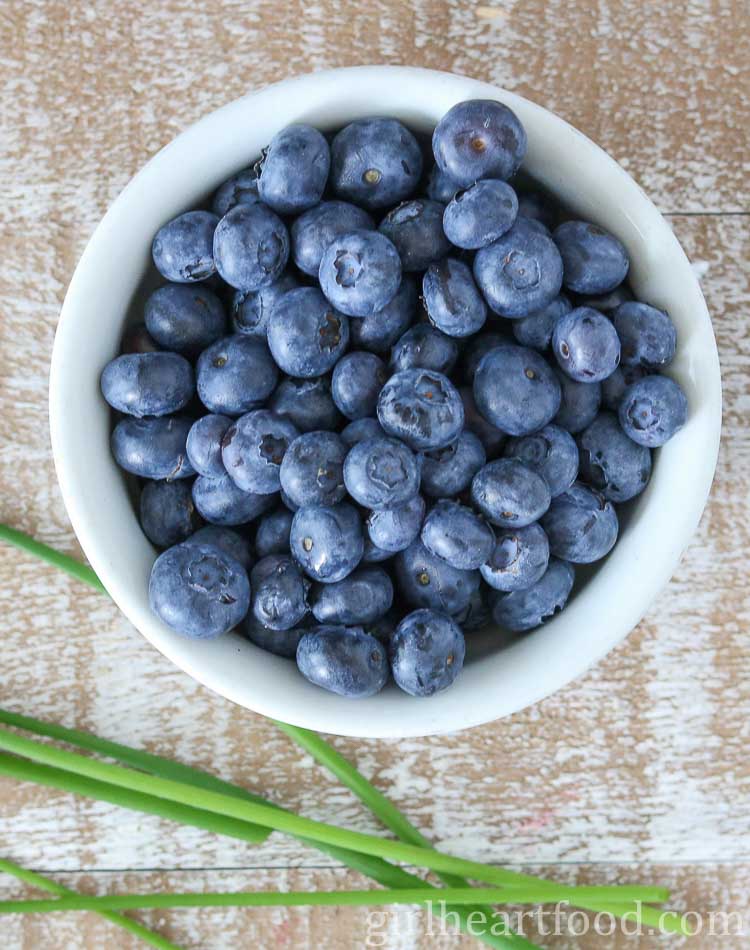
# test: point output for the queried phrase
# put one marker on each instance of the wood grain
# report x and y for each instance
(644, 759)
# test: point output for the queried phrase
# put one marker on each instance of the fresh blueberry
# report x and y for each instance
(153, 448)
(458, 535)
(652, 410)
(356, 383)
(184, 319)
(314, 230)
(361, 598)
(360, 272)
(581, 525)
(422, 408)
(424, 347)
(378, 332)
(375, 163)
(416, 230)
(454, 304)
(251, 247)
(647, 336)
(148, 384)
(240, 189)
(306, 403)
(518, 560)
(221, 502)
(427, 652)
(294, 169)
(305, 334)
(287, 502)
(614, 386)
(168, 514)
(519, 273)
(272, 536)
(251, 309)
(479, 138)
(522, 610)
(428, 581)
(441, 187)
(490, 436)
(448, 472)
(373, 554)
(137, 339)
(199, 590)
(594, 261)
(586, 345)
(476, 347)
(183, 248)
(253, 448)
(280, 590)
(362, 429)
(537, 328)
(327, 542)
(343, 660)
(394, 529)
(610, 461)
(516, 389)
(235, 374)
(606, 302)
(204, 445)
(481, 214)
(539, 207)
(381, 473)
(552, 452)
(477, 614)
(312, 469)
(579, 403)
(227, 540)
(280, 642)
(509, 493)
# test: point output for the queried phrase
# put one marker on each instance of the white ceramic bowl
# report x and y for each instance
(112, 273)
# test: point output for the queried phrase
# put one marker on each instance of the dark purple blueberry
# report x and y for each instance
(452, 299)
(280, 642)
(272, 536)
(581, 525)
(235, 374)
(167, 512)
(183, 248)
(306, 335)
(251, 309)
(516, 389)
(153, 448)
(226, 540)
(312, 469)
(327, 542)
(148, 384)
(594, 261)
(441, 187)
(448, 472)
(362, 429)
(509, 493)
(416, 229)
(381, 473)
(306, 403)
(204, 445)
(361, 598)
(652, 410)
(314, 230)
(647, 336)
(424, 347)
(394, 529)
(378, 332)
(343, 660)
(479, 138)
(183, 318)
(240, 189)
(586, 345)
(579, 403)
(357, 380)
(481, 214)
(522, 610)
(428, 581)
(279, 592)
(221, 502)
(614, 386)
(294, 169)
(552, 452)
(537, 328)
(422, 408)
(611, 462)
(251, 247)
(458, 535)
(253, 448)
(490, 436)
(360, 272)
(518, 560)
(427, 652)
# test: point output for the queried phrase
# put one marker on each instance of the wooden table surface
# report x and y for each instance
(637, 771)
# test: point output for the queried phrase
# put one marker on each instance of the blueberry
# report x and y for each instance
(375, 163)
(312, 469)
(361, 598)
(204, 445)
(294, 169)
(551, 452)
(360, 272)
(454, 304)
(221, 502)
(327, 542)
(280, 592)
(522, 610)
(226, 540)
(373, 554)
(424, 347)
(287, 502)
(272, 536)
(167, 512)
(183, 248)
(519, 273)
(137, 339)
(362, 429)
(586, 345)
(148, 384)
(510, 494)
(606, 302)
(581, 525)
(427, 652)
(614, 386)
(610, 461)
(253, 448)
(153, 448)
(394, 529)
(306, 403)
(516, 390)
(343, 660)
(458, 535)
(416, 230)
(356, 383)
(518, 560)
(378, 332)
(479, 138)
(251, 309)
(381, 473)
(184, 319)
(490, 436)
(476, 347)
(579, 403)
(199, 590)
(448, 472)
(280, 642)
(428, 581)
(240, 189)
(481, 214)
(594, 261)
(441, 187)
(477, 613)
(652, 410)
(235, 374)
(536, 329)
(422, 408)
(647, 336)
(305, 334)
(314, 230)
(539, 207)
(251, 247)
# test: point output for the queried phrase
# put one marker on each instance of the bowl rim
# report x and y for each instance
(86, 478)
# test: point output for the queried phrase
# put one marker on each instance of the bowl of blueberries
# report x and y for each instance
(384, 402)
